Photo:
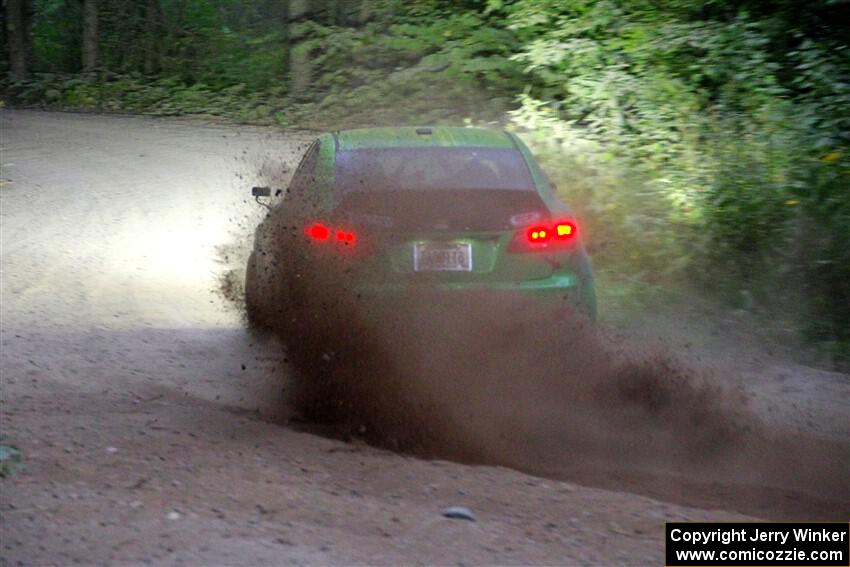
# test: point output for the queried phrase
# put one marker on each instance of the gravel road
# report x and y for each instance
(152, 425)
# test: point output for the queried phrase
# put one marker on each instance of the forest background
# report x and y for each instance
(704, 144)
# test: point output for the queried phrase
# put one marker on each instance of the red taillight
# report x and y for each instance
(538, 234)
(544, 238)
(565, 230)
(346, 237)
(320, 232)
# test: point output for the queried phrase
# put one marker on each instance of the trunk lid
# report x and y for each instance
(445, 235)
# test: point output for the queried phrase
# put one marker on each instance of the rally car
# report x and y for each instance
(448, 210)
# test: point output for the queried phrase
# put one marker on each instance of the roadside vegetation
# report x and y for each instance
(705, 144)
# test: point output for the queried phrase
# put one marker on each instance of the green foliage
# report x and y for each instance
(135, 93)
(217, 43)
(56, 43)
(727, 157)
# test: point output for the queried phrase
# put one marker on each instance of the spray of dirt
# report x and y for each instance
(511, 380)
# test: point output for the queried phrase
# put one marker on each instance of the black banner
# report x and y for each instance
(745, 544)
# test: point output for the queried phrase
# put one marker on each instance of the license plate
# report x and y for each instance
(442, 257)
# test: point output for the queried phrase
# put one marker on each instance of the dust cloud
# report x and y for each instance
(512, 380)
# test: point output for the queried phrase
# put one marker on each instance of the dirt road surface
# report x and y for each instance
(152, 425)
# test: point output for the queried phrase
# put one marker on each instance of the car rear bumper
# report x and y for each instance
(555, 284)
(561, 287)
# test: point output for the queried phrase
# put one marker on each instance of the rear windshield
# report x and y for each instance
(475, 209)
(426, 169)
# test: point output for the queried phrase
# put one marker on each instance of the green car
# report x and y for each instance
(441, 209)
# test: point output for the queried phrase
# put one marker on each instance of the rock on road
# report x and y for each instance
(132, 389)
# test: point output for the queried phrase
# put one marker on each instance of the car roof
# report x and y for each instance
(422, 137)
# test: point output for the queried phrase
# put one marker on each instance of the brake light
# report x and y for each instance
(544, 238)
(321, 233)
(538, 234)
(346, 237)
(318, 231)
(565, 230)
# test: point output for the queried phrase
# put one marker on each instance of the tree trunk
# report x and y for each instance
(153, 29)
(333, 9)
(300, 66)
(19, 28)
(90, 35)
(365, 13)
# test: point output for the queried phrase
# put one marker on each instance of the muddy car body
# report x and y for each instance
(443, 210)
